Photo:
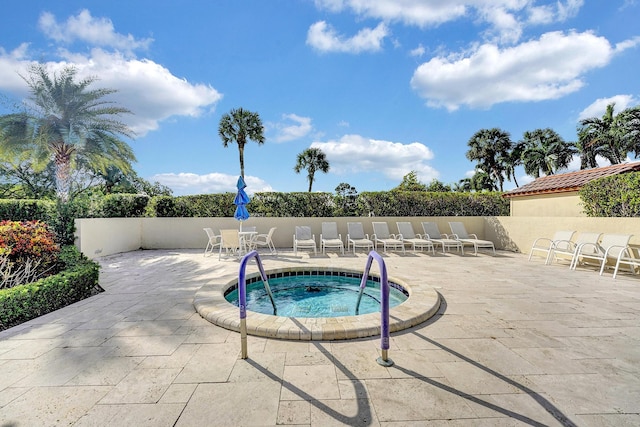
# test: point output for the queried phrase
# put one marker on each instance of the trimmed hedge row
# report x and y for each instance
(612, 196)
(26, 302)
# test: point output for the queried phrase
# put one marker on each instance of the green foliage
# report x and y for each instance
(124, 205)
(410, 183)
(411, 203)
(612, 196)
(25, 302)
(292, 204)
(26, 210)
(436, 186)
(168, 207)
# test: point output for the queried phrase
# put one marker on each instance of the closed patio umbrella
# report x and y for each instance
(241, 201)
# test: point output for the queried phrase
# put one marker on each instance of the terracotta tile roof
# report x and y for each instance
(571, 181)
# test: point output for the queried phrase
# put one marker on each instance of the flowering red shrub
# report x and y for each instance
(28, 240)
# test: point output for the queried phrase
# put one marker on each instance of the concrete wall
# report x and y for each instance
(548, 205)
(105, 236)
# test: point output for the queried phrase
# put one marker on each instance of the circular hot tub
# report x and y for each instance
(414, 303)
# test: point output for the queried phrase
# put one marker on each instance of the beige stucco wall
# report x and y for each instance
(547, 205)
(99, 237)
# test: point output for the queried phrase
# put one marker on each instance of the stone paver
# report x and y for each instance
(514, 343)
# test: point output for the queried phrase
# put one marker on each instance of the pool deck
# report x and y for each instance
(513, 343)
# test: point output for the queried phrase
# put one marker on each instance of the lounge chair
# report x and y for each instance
(356, 237)
(265, 240)
(230, 243)
(600, 252)
(303, 238)
(561, 240)
(213, 242)
(330, 238)
(629, 257)
(460, 233)
(381, 235)
(569, 250)
(408, 236)
(432, 232)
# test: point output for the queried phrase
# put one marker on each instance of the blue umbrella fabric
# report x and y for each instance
(241, 201)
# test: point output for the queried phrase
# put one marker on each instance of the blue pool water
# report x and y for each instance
(316, 296)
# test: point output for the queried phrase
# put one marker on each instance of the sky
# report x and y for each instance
(382, 87)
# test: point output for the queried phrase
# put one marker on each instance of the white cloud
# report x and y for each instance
(599, 106)
(357, 154)
(289, 132)
(146, 88)
(95, 31)
(323, 37)
(505, 17)
(418, 51)
(185, 183)
(547, 68)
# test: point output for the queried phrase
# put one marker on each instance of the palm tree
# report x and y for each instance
(481, 181)
(311, 159)
(239, 126)
(545, 152)
(611, 136)
(491, 148)
(70, 124)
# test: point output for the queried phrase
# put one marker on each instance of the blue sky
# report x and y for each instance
(382, 87)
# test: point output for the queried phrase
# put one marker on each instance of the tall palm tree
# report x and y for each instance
(545, 152)
(608, 136)
(69, 123)
(240, 126)
(313, 160)
(491, 148)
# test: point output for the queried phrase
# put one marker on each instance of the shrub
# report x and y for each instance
(27, 210)
(612, 196)
(124, 205)
(29, 241)
(25, 302)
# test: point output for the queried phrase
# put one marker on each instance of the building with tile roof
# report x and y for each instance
(557, 195)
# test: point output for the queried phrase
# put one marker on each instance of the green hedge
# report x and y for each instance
(384, 203)
(26, 302)
(27, 210)
(612, 196)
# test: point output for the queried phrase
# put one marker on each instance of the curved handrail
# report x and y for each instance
(384, 304)
(242, 295)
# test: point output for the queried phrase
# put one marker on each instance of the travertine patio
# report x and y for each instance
(514, 343)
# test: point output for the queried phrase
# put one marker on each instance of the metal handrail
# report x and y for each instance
(384, 304)
(242, 295)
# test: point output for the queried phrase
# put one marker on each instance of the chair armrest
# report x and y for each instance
(543, 239)
(475, 236)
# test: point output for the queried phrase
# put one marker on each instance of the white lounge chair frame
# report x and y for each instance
(212, 242)
(303, 239)
(560, 240)
(459, 232)
(608, 248)
(330, 238)
(382, 235)
(265, 241)
(408, 236)
(357, 238)
(432, 232)
(627, 256)
(567, 248)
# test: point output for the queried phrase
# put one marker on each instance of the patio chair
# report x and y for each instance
(357, 238)
(230, 243)
(627, 256)
(330, 238)
(600, 252)
(568, 251)
(561, 239)
(213, 242)
(460, 233)
(381, 235)
(303, 238)
(265, 241)
(408, 236)
(432, 232)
